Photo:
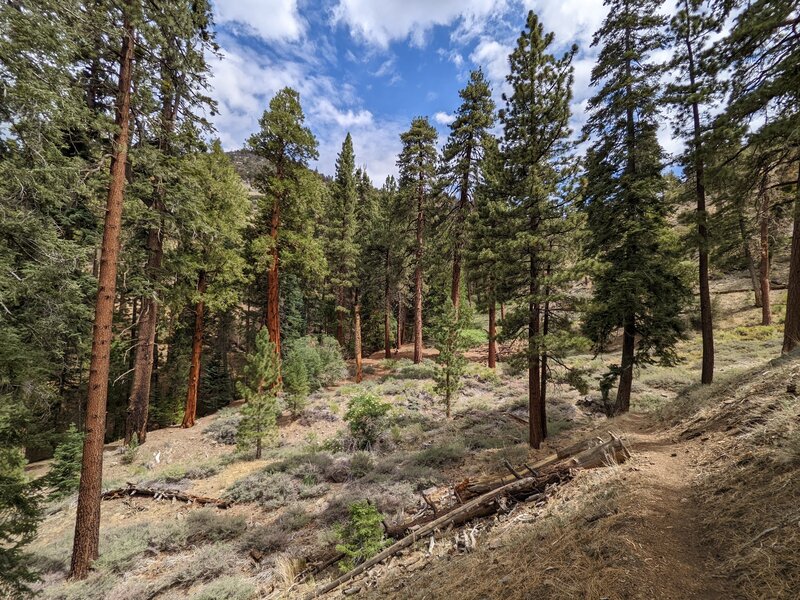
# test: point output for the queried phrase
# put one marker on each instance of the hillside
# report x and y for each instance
(705, 508)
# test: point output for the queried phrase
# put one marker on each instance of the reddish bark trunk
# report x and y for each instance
(387, 313)
(763, 218)
(401, 321)
(791, 328)
(340, 317)
(87, 519)
(190, 410)
(492, 361)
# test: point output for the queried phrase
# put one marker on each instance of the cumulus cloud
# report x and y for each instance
(274, 20)
(381, 22)
(443, 118)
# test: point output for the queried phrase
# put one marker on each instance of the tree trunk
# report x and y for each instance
(418, 280)
(273, 284)
(190, 411)
(502, 311)
(535, 409)
(340, 316)
(87, 519)
(387, 313)
(357, 334)
(706, 325)
(748, 255)
(401, 321)
(492, 361)
(791, 328)
(623, 403)
(763, 222)
(543, 377)
(139, 401)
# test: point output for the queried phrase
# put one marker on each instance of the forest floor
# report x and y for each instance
(705, 508)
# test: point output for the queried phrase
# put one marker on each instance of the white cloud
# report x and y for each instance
(570, 20)
(327, 112)
(269, 19)
(380, 22)
(443, 118)
(493, 57)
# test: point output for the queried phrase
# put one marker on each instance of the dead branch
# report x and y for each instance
(132, 490)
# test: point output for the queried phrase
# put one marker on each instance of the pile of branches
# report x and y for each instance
(484, 497)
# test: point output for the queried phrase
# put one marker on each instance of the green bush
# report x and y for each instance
(362, 536)
(424, 370)
(366, 415)
(207, 525)
(360, 464)
(65, 470)
(322, 359)
(442, 455)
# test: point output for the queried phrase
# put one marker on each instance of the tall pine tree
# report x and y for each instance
(537, 154)
(639, 283)
(417, 164)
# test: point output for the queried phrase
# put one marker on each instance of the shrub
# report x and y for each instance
(223, 429)
(440, 456)
(366, 415)
(176, 473)
(424, 370)
(259, 388)
(273, 490)
(322, 359)
(130, 451)
(294, 519)
(360, 464)
(264, 538)
(65, 471)
(449, 340)
(206, 525)
(362, 536)
(227, 588)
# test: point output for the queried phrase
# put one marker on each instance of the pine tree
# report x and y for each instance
(695, 86)
(259, 387)
(87, 520)
(536, 150)
(217, 207)
(417, 165)
(639, 283)
(448, 336)
(762, 50)
(177, 36)
(488, 237)
(341, 243)
(461, 160)
(287, 145)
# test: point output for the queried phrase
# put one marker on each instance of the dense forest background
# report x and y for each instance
(515, 231)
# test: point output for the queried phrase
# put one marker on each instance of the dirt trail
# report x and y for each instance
(664, 528)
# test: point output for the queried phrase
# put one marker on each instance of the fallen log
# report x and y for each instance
(156, 494)
(456, 516)
(531, 486)
(587, 457)
(486, 504)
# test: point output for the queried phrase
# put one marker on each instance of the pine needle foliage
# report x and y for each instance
(259, 388)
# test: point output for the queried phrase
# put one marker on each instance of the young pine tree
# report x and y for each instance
(259, 387)
(448, 337)
(639, 283)
(461, 162)
(537, 154)
(417, 165)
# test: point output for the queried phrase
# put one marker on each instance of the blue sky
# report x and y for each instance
(370, 66)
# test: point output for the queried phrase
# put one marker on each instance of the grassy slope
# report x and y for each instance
(710, 496)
